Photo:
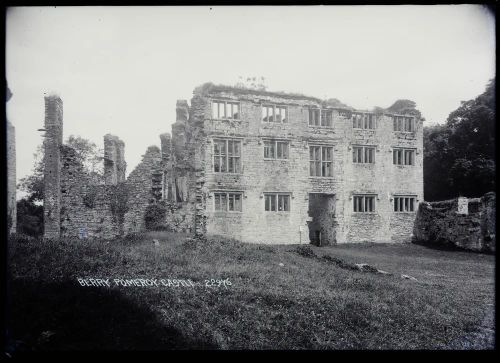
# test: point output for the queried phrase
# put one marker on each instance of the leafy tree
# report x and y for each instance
(30, 208)
(437, 163)
(88, 154)
(404, 107)
(459, 156)
(29, 218)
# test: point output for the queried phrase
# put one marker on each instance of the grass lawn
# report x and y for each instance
(278, 298)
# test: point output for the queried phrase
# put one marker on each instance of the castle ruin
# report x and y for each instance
(257, 166)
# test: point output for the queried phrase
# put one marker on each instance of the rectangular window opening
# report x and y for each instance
(226, 110)
(277, 202)
(364, 203)
(404, 203)
(321, 161)
(403, 156)
(363, 154)
(227, 156)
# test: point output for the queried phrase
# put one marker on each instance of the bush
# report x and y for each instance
(305, 250)
(155, 217)
(29, 218)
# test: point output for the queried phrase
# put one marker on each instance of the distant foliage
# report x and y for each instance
(459, 156)
(404, 107)
(254, 83)
(334, 102)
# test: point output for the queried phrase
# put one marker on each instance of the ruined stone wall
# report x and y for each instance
(52, 162)
(74, 206)
(258, 176)
(178, 158)
(11, 173)
(86, 208)
(181, 176)
(11, 177)
(114, 160)
(464, 223)
(140, 188)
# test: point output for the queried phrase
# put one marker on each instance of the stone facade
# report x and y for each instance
(85, 206)
(227, 169)
(257, 176)
(464, 223)
(11, 173)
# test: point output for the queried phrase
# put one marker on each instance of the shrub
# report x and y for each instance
(90, 196)
(29, 218)
(305, 250)
(155, 217)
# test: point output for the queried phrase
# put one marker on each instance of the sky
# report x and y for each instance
(120, 70)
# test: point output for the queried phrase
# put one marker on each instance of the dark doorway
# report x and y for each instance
(322, 212)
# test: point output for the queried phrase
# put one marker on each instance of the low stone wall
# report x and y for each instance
(464, 223)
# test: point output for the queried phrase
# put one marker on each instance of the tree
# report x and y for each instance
(29, 218)
(30, 208)
(404, 107)
(437, 163)
(459, 156)
(88, 154)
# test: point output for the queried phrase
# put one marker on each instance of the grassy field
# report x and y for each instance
(278, 298)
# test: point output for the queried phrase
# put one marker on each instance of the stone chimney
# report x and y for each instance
(52, 162)
(114, 160)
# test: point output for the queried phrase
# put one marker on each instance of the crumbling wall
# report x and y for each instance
(11, 173)
(179, 155)
(52, 165)
(197, 143)
(465, 223)
(74, 205)
(86, 208)
(140, 188)
(114, 160)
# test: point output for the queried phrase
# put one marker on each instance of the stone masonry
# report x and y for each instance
(464, 223)
(383, 181)
(11, 173)
(114, 161)
(79, 207)
(52, 162)
(258, 166)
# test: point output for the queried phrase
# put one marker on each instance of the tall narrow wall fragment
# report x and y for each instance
(52, 162)
(11, 173)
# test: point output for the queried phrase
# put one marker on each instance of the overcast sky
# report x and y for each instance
(120, 70)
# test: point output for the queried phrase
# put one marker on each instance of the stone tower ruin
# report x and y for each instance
(52, 162)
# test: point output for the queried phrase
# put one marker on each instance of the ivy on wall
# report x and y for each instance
(154, 217)
(118, 202)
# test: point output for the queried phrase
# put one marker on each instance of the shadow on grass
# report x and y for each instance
(445, 246)
(65, 316)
